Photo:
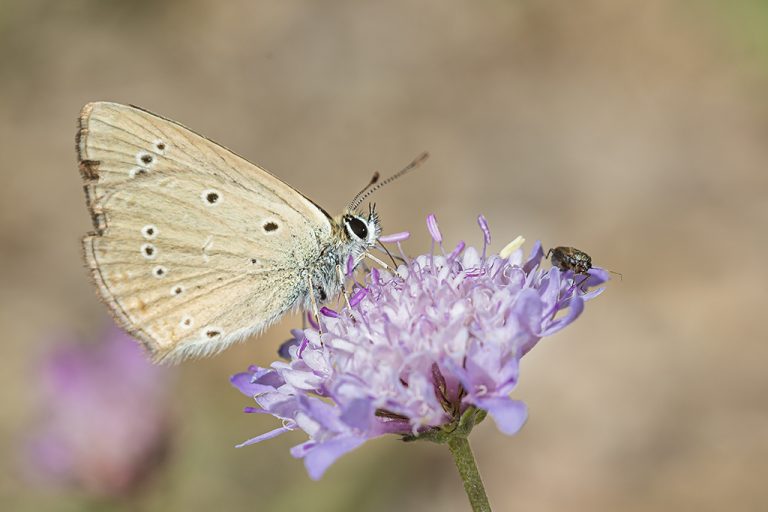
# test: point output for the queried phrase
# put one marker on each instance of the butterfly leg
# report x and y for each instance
(344, 289)
(377, 260)
(312, 298)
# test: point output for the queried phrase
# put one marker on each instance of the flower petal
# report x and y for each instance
(242, 381)
(509, 415)
(319, 457)
(534, 259)
(358, 414)
(575, 309)
(256, 382)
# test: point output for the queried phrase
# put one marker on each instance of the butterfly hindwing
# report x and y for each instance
(195, 247)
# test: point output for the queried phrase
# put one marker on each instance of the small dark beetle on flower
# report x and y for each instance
(570, 258)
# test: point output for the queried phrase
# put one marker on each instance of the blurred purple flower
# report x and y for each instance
(442, 338)
(105, 422)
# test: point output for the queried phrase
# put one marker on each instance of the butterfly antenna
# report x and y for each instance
(374, 179)
(621, 276)
(370, 189)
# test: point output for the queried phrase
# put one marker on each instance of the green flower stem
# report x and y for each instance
(473, 484)
(455, 436)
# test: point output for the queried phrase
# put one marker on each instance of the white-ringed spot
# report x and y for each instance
(211, 197)
(137, 171)
(149, 231)
(159, 271)
(149, 251)
(177, 290)
(160, 146)
(186, 322)
(145, 159)
(270, 226)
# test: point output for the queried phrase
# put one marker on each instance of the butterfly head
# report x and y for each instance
(363, 232)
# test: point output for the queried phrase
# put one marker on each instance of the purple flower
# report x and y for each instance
(420, 351)
(105, 418)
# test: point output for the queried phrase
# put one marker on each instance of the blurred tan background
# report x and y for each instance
(633, 130)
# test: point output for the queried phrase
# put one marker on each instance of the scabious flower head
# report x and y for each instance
(105, 421)
(418, 349)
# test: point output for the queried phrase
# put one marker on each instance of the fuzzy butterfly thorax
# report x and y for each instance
(194, 247)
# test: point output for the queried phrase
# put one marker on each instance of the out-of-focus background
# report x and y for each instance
(636, 131)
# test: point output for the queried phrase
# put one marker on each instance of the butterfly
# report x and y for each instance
(196, 248)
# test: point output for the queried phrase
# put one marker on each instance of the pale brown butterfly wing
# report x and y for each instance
(195, 247)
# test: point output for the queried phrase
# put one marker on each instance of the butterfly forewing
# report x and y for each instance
(194, 246)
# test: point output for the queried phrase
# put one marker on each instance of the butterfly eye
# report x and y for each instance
(358, 227)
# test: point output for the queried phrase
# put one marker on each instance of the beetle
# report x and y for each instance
(570, 258)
